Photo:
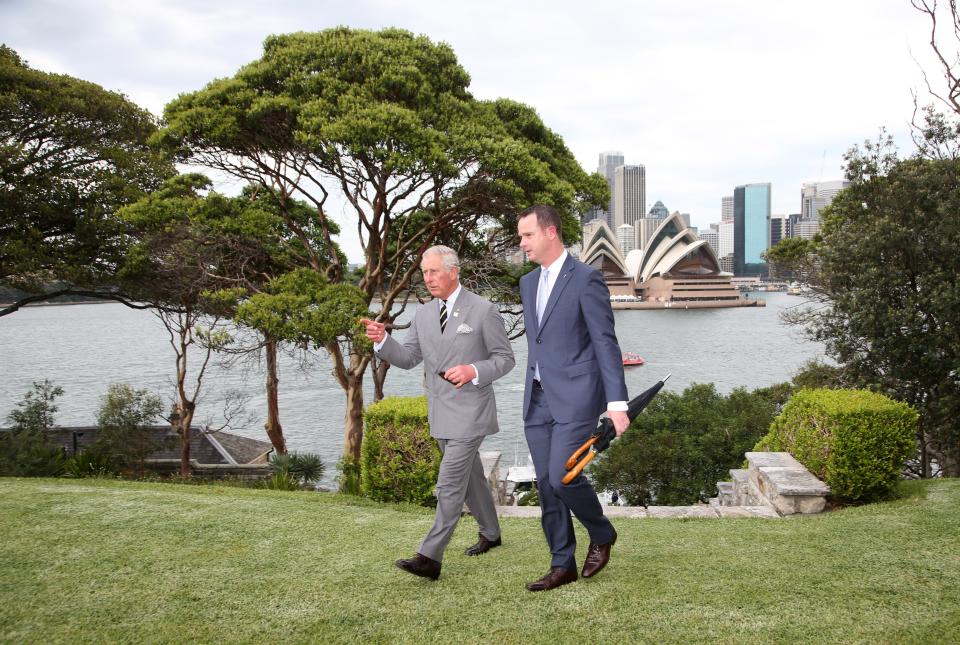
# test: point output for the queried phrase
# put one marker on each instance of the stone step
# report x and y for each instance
(785, 483)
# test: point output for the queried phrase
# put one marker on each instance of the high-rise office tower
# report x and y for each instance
(751, 209)
(629, 194)
(726, 208)
(626, 238)
(814, 196)
(725, 234)
(659, 211)
(713, 239)
(609, 161)
(646, 227)
(779, 229)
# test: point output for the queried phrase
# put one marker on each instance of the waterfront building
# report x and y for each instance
(751, 209)
(629, 194)
(725, 242)
(673, 267)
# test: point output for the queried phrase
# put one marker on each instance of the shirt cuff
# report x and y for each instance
(378, 346)
(476, 379)
(617, 406)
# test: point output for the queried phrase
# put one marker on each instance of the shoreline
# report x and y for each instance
(693, 304)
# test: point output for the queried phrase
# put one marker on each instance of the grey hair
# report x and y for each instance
(450, 259)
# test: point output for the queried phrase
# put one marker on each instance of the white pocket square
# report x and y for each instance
(464, 329)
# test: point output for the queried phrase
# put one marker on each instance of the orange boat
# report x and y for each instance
(629, 358)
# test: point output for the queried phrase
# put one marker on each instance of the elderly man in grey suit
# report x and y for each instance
(461, 340)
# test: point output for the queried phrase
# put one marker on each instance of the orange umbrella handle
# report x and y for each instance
(570, 476)
(582, 449)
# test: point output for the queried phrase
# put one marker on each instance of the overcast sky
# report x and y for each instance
(706, 95)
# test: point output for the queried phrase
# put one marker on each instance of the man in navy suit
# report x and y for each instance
(575, 373)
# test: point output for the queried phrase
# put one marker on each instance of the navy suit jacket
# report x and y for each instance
(581, 367)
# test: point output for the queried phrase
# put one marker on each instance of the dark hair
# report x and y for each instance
(546, 216)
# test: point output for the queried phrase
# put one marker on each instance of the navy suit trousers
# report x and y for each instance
(551, 444)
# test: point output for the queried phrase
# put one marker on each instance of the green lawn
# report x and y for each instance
(110, 561)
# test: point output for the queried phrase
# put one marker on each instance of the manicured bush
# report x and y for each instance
(854, 440)
(682, 444)
(399, 460)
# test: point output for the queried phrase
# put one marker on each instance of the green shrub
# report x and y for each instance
(854, 440)
(92, 462)
(349, 470)
(123, 420)
(399, 460)
(682, 444)
(26, 449)
(299, 470)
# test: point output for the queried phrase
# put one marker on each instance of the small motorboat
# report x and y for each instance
(630, 358)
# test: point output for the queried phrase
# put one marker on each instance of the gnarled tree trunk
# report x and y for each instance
(273, 427)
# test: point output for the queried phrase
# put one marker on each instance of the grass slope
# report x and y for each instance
(108, 561)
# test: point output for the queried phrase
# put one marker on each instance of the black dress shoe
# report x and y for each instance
(556, 577)
(597, 557)
(420, 565)
(483, 545)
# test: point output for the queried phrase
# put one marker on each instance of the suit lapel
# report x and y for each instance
(455, 317)
(562, 280)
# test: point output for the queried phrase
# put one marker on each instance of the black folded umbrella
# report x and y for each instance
(600, 440)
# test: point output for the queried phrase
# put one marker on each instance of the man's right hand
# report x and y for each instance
(376, 331)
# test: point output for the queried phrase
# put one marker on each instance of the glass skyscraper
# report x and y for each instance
(751, 211)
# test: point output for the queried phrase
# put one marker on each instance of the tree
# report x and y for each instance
(887, 286)
(382, 123)
(172, 262)
(682, 444)
(26, 449)
(200, 258)
(263, 293)
(123, 421)
(71, 154)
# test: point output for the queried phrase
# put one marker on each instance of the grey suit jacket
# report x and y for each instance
(474, 334)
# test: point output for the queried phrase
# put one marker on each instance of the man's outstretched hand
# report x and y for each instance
(376, 331)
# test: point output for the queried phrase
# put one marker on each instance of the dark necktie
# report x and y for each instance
(443, 315)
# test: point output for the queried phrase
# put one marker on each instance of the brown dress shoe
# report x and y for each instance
(482, 546)
(556, 577)
(597, 557)
(420, 565)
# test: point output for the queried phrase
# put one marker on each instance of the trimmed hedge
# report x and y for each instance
(854, 440)
(399, 460)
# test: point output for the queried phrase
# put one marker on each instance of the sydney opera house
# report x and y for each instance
(673, 269)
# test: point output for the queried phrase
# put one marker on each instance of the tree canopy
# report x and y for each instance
(380, 125)
(71, 154)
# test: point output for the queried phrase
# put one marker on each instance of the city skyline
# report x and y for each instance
(733, 94)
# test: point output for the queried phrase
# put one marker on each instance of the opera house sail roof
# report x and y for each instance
(674, 267)
(673, 250)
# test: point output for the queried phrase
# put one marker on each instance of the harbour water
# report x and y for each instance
(85, 348)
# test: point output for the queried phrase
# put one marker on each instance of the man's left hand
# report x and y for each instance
(460, 375)
(620, 421)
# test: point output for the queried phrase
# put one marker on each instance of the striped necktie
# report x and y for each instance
(443, 316)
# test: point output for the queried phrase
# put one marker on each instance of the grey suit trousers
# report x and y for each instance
(460, 479)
